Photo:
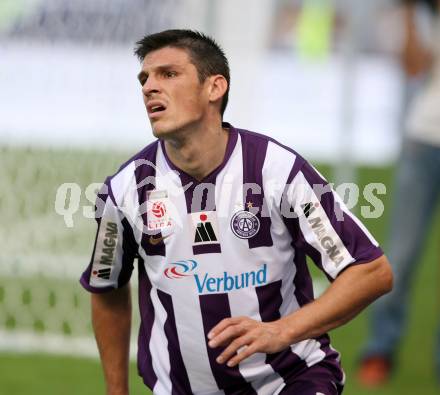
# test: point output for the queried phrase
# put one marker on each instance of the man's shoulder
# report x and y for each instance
(143, 162)
(262, 144)
(145, 156)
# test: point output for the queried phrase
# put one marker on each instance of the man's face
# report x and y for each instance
(173, 95)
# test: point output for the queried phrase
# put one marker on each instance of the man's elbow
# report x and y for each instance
(384, 275)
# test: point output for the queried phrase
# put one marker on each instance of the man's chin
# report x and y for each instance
(159, 131)
(162, 131)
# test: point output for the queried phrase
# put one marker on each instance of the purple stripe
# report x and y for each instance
(301, 245)
(285, 363)
(146, 309)
(254, 149)
(152, 249)
(129, 253)
(355, 240)
(332, 358)
(319, 378)
(207, 249)
(272, 140)
(200, 197)
(297, 165)
(214, 308)
(178, 373)
(302, 281)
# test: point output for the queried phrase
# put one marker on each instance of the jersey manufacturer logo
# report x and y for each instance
(245, 224)
(156, 240)
(180, 269)
(102, 273)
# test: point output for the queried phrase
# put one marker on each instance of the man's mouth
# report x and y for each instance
(155, 108)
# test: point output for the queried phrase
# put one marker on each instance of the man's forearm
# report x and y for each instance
(351, 292)
(347, 296)
(111, 318)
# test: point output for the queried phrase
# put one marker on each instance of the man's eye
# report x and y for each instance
(170, 74)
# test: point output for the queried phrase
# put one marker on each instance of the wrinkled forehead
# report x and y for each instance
(166, 56)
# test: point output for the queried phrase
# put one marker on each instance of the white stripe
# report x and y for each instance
(126, 195)
(229, 186)
(110, 215)
(159, 348)
(289, 302)
(240, 301)
(276, 169)
(309, 351)
(122, 182)
(300, 192)
(194, 353)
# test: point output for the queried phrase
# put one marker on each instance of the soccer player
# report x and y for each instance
(220, 221)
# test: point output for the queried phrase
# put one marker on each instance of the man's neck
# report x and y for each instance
(199, 151)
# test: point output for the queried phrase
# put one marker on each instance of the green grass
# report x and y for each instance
(29, 210)
(50, 375)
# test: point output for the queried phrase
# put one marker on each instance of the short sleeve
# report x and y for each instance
(324, 227)
(114, 250)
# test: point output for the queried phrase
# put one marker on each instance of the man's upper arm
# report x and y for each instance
(114, 250)
(325, 229)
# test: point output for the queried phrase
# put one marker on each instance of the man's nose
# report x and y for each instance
(151, 86)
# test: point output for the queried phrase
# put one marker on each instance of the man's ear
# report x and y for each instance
(218, 87)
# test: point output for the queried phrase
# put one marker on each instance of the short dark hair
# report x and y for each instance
(206, 55)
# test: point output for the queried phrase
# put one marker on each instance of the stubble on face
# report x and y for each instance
(173, 85)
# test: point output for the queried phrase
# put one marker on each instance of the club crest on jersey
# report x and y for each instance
(245, 224)
(157, 212)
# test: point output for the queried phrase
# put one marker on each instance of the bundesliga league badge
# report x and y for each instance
(244, 224)
(158, 215)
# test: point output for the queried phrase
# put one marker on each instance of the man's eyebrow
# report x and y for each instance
(162, 67)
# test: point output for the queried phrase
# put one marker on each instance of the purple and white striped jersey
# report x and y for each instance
(234, 244)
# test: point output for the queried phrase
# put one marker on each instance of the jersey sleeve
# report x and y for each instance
(323, 227)
(114, 250)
